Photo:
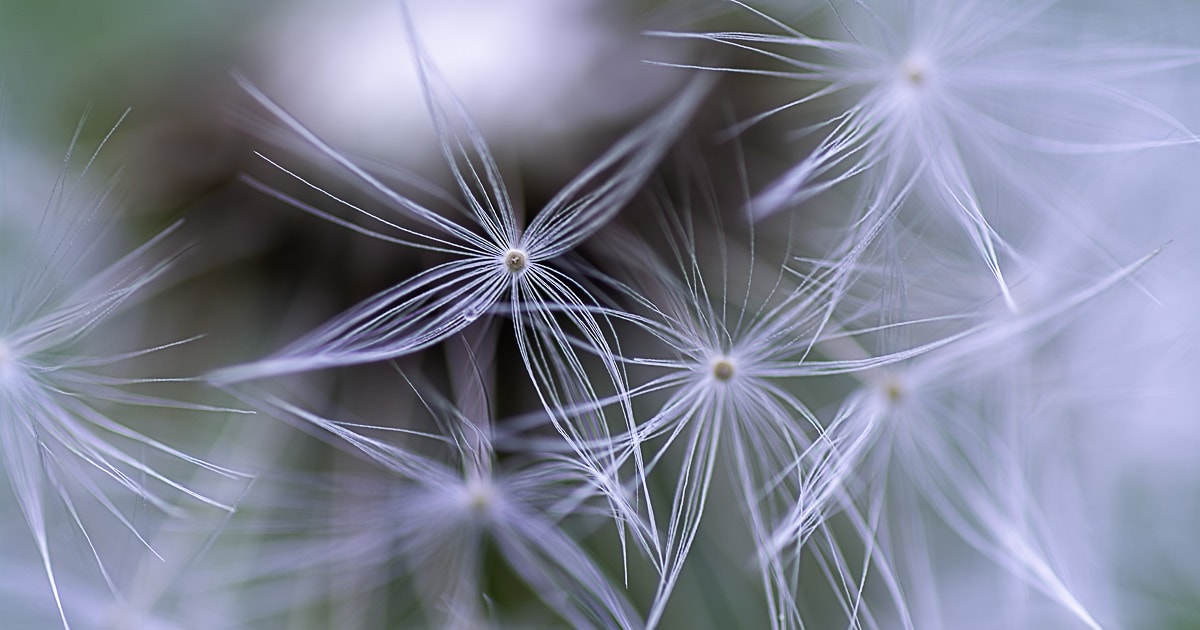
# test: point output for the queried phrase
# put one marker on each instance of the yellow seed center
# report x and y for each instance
(894, 391)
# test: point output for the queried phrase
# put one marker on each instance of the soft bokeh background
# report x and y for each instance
(550, 83)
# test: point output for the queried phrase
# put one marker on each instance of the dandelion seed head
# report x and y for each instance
(515, 260)
(723, 369)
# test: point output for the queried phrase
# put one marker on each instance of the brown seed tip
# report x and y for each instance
(722, 369)
(515, 260)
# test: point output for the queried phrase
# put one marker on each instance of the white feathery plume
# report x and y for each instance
(431, 519)
(59, 438)
(951, 431)
(970, 97)
(156, 583)
(737, 346)
(499, 265)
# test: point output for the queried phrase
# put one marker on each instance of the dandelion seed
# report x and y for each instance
(962, 98)
(433, 518)
(499, 265)
(59, 444)
(735, 350)
(948, 426)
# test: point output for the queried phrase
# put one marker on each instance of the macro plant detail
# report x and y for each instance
(862, 314)
(62, 443)
(962, 97)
